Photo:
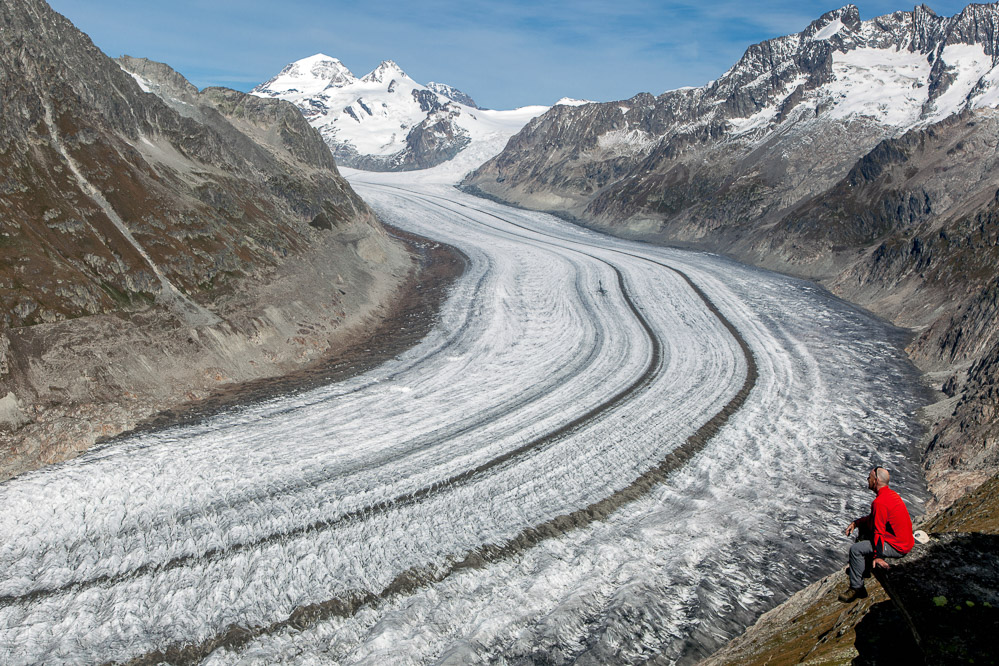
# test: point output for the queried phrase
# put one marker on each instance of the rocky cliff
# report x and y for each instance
(157, 241)
(859, 153)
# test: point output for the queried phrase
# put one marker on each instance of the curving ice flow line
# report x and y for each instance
(349, 603)
(411, 497)
(466, 476)
(570, 383)
(76, 585)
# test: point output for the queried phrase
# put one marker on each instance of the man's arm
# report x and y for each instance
(860, 523)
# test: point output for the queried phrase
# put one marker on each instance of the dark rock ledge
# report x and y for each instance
(947, 592)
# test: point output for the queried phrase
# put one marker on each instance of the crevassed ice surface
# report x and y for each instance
(171, 538)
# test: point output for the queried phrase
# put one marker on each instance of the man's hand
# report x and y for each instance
(849, 528)
(879, 562)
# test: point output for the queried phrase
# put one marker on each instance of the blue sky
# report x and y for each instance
(504, 53)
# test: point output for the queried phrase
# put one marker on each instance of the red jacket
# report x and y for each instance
(889, 522)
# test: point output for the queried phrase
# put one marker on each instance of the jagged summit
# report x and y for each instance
(831, 23)
(384, 73)
(452, 94)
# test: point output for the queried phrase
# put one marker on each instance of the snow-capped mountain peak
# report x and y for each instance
(386, 121)
(385, 73)
(308, 76)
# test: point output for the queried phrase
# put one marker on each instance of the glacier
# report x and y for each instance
(418, 513)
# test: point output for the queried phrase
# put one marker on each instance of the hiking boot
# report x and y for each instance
(853, 594)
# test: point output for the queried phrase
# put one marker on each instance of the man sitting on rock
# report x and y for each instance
(885, 532)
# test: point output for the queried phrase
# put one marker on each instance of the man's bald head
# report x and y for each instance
(877, 478)
(883, 476)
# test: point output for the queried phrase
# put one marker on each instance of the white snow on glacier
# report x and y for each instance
(171, 537)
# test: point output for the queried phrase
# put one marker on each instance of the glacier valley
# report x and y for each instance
(477, 498)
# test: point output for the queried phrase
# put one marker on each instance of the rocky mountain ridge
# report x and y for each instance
(861, 153)
(386, 121)
(142, 221)
(879, 78)
(452, 94)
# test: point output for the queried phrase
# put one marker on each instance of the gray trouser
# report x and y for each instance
(860, 559)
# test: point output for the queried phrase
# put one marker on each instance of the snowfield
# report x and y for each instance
(435, 509)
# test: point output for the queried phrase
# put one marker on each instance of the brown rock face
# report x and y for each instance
(154, 244)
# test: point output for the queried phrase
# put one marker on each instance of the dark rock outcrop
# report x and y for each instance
(948, 594)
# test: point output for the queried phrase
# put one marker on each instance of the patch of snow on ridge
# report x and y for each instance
(969, 64)
(883, 84)
(626, 141)
(828, 30)
(143, 83)
(766, 115)
(762, 118)
(988, 94)
(569, 101)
